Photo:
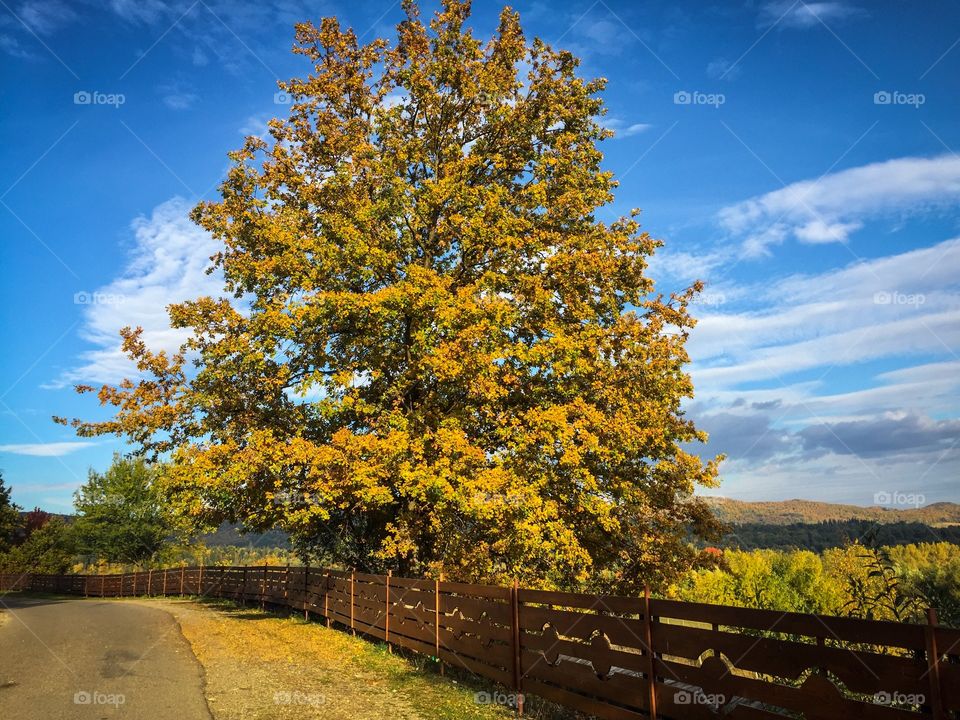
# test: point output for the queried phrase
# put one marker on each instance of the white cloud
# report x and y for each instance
(836, 205)
(721, 68)
(46, 16)
(12, 47)
(895, 306)
(179, 101)
(146, 12)
(167, 264)
(177, 97)
(622, 130)
(894, 430)
(53, 449)
(792, 14)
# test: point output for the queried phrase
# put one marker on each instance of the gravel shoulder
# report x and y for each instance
(260, 666)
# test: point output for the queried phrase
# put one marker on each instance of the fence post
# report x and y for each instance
(220, 584)
(352, 628)
(200, 581)
(436, 621)
(933, 665)
(150, 581)
(515, 641)
(286, 586)
(651, 658)
(326, 598)
(306, 591)
(243, 589)
(386, 621)
(163, 590)
(86, 580)
(263, 587)
(183, 571)
(102, 594)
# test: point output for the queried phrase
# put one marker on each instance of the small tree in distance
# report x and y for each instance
(9, 517)
(121, 515)
(445, 361)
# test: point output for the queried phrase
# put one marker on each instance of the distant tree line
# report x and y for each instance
(835, 533)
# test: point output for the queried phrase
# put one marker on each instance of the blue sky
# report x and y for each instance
(800, 157)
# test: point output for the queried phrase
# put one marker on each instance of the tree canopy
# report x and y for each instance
(436, 357)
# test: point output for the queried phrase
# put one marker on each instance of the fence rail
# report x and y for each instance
(614, 657)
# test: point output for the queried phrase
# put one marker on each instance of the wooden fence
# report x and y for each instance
(613, 657)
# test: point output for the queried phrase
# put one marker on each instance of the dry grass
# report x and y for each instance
(265, 667)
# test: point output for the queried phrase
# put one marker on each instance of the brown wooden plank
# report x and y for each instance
(617, 688)
(589, 705)
(601, 657)
(490, 653)
(475, 666)
(492, 592)
(599, 603)
(411, 583)
(411, 643)
(475, 608)
(483, 629)
(818, 697)
(627, 631)
(875, 632)
(864, 672)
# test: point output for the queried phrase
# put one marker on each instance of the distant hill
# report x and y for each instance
(232, 535)
(791, 512)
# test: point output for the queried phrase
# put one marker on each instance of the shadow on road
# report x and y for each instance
(15, 600)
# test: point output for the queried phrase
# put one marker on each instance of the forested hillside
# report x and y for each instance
(787, 512)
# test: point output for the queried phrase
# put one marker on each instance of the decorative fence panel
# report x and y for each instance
(617, 658)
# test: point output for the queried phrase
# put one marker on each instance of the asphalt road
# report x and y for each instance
(91, 659)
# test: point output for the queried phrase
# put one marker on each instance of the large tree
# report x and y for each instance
(438, 357)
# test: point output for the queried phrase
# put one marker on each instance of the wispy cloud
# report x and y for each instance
(895, 306)
(800, 15)
(622, 129)
(832, 208)
(167, 264)
(12, 47)
(764, 365)
(53, 449)
(45, 17)
(144, 12)
(177, 95)
(722, 69)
